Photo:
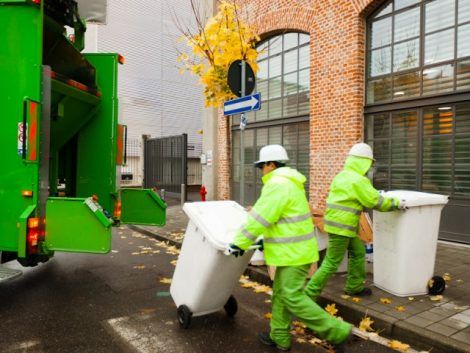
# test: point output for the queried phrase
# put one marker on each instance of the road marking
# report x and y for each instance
(143, 334)
(22, 346)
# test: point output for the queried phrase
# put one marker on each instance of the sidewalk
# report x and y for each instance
(441, 325)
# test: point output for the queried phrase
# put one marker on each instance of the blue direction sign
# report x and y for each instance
(243, 104)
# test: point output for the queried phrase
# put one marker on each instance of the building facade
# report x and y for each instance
(393, 73)
(154, 98)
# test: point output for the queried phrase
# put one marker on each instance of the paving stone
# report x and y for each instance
(419, 321)
(462, 317)
(430, 316)
(454, 323)
(444, 312)
(402, 315)
(379, 307)
(442, 329)
(463, 336)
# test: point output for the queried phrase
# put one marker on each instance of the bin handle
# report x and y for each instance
(253, 247)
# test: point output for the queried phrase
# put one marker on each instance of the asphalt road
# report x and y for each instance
(117, 303)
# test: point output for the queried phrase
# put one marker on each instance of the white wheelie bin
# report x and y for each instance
(204, 276)
(405, 244)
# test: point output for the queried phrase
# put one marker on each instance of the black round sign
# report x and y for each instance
(234, 78)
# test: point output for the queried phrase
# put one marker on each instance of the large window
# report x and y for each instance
(424, 149)
(284, 82)
(418, 49)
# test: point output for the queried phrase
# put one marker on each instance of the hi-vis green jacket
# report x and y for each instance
(282, 215)
(350, 192)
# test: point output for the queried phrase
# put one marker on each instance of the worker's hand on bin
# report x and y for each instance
(234, 250)
(402, 206)
(260, 244)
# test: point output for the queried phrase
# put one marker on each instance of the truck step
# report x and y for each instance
(8, 273)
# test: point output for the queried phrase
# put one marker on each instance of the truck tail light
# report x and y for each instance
(38, 2)
(117, 209)
(33, 235)
(121, 60)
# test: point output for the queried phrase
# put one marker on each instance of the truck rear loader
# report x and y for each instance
(61, 142)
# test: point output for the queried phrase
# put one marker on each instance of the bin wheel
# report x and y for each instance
(231, 307)
(436, 285)
(184, 316)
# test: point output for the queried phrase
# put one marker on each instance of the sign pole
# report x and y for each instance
(242, 139)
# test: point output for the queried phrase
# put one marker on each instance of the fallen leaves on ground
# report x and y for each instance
(298, 331)
(165, 280)
(331, 309)
(173, 262)
(301, 340)
(386, 301)
(447, 277)
(436, 298)
(366, 324)
(411, 299)
(356, 300)
(123, 237)
(345, 296)
(459, 281)
(400, 308)
(257, 287)
(139, 267)
(315, 341)
(399, 346)
(268, 316)
(430, 283)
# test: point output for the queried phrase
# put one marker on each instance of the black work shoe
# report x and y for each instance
(341, 347)
(266, 339)
(363, 293)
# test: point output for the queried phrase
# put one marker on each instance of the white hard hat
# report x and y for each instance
(362, 150)
(272, 153)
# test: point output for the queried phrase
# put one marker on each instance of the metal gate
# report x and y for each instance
(165, 163)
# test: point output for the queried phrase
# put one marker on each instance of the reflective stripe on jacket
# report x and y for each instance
(350, 192)
(282, 216)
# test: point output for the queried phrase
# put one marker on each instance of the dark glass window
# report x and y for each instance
(283, 80)
(417, 48)
(424, 149)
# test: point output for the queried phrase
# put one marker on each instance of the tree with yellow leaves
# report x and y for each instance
(223, 39)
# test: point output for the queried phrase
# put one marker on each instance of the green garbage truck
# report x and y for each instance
(60, 138)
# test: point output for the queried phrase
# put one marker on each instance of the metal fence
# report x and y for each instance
(165, 163)
(132, 171)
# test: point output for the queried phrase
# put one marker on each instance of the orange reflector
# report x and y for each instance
(33, 223)
(121, 60)
(117, 209)
(27, 193)
(94, 198)
(36, 1)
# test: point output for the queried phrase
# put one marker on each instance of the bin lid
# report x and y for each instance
(219, 221)
(416, 198)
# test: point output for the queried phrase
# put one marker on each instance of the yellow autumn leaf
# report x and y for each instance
(447, 277)
(411, 298)
(301, 340)
(430, 283)
(399, 346)
(356, 300)
(299, 330)
(436, 298)
(268, 316)
(315, 341)
(331, 309)
(165, 280)
(366, 324)
(248, 285)
(345, 296)
(139, 267)
(173, 262)
(299, 324)
(224, 39)
(386, 301)
(400, 308)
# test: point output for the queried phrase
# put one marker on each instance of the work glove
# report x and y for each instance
(234, 250)
(402, 205)
(260, 243)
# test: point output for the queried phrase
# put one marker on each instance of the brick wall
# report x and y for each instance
(337, 54)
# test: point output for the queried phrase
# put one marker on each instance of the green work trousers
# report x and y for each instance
(290, 300)
(337, 246)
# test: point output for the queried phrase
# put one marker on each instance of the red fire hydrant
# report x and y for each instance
(203, 193)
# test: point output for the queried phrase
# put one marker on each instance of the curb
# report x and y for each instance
(389, 326)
